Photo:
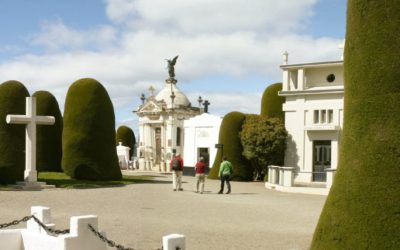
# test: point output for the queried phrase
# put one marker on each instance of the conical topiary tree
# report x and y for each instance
(127, 137)
(232, 148)
(271, 102)
(88, 137)
(12, 136)
(362, 210)
(48, 138)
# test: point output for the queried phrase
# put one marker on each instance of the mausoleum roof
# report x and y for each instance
(165, 95)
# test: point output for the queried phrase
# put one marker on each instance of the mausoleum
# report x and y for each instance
(162, 119)
(313, 117)
(201, 135)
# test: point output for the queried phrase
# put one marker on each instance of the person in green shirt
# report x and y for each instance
(225, 171)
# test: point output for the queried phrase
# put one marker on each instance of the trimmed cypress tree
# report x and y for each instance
(48, 138)
(229, 136)
(271, 102)
(88, 138)
(362, 210)
(12, 136)
(127, 137)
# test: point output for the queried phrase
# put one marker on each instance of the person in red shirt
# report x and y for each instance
(200, 169)
(176, 166)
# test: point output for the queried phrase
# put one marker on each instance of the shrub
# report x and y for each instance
(264, 143)
(271, 102)
(229, 136)
(88, 137)
(127, 137)
(48, 138)
(12, 136)
(362, 210)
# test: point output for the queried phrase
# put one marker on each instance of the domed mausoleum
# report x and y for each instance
(161, 119)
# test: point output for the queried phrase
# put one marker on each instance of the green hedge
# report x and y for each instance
(48, 144)
(362, 210)
(271, 103)
(229, 136)
(89, 150)
(12, 136)
(127, 137)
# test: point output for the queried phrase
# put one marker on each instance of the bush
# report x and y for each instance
(127, 137)
(271, 102)
(229, 136)
(264, 143)
(362, 210)
(88, 137)
(48, 144)
(12, 136)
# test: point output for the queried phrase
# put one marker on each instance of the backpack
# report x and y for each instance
(176, 164)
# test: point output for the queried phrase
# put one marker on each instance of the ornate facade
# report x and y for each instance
(161, 126)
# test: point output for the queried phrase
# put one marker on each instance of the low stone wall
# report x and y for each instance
(282, 179)
(78, 237)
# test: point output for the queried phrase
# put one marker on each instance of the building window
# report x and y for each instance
(316, 116)
(323, 116)
(330, 115)
(178, 136)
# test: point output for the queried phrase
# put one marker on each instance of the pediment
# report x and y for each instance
(151, 107)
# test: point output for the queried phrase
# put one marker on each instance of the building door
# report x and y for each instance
(158, 145)
(204, 152)
(322, 160)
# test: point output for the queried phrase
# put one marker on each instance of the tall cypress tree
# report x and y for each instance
(271, 102)
(232, 148)
(362, 210)
(12, 136)
(48, 144)
(88, 137)
(127, 137)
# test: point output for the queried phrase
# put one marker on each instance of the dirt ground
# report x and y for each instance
(138, 215)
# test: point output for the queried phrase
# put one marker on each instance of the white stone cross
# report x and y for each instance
(31, 120)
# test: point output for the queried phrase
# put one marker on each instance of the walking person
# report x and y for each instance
(176, 166)
(200, 169)
(225, 171)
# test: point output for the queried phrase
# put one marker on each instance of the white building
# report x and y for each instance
(201, 135)
(161, 128)
(313, 117)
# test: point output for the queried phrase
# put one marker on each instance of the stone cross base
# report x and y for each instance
(38, 185)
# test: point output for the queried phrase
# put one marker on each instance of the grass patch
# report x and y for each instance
(61, 180)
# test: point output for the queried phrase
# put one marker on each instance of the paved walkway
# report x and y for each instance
(138, 215)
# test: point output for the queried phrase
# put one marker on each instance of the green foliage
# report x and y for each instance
(271, 103)
(127, 137)
(12, 136)
(264, 142)
(48, 144)
(362, 210)
(88, 137)
(229, 136)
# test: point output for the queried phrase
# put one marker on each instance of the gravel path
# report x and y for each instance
(138, 215)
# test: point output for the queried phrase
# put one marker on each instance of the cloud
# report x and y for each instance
(56, 36)
(210, 16)
(235, 38)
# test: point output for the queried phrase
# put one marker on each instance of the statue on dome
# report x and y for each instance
(171, 66)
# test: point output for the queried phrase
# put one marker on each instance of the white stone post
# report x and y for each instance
(281, 177)
(173, 241)
(31, 120)
(288, 176)
(330, 174)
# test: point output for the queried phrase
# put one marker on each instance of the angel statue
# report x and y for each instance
(171, 69)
